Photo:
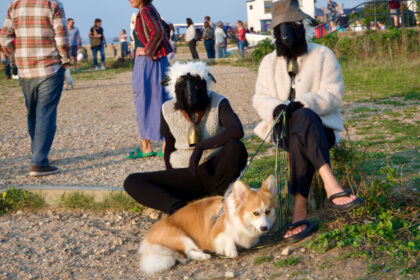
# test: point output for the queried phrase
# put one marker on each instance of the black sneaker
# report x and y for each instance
(38, 171)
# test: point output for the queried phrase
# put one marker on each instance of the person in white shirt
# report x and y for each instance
(124, 44)
(191, 38)
(220, 40)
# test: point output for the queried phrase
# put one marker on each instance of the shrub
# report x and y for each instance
(263, 48)
(393, 43)
(14, 199)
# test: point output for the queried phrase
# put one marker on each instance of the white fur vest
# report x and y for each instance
(179, 127)
(318, 86)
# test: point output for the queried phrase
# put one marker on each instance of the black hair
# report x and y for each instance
(189, 21)
(146, 2)
(70, 19)
(98, 20)
(200, 84)
(300, 46)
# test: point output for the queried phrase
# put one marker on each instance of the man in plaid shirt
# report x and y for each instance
(41, 52)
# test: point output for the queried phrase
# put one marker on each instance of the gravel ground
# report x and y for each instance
(59, 244)
(96, 127)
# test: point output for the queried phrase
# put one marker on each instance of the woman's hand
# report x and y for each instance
(140, 51)
(195, 159)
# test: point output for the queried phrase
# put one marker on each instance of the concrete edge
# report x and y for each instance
(52, 194)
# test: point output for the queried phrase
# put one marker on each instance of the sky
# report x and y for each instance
(116, 14)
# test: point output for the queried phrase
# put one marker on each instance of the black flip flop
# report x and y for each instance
(345, 207)
(303, 234)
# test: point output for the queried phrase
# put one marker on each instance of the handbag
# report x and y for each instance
(94, 42)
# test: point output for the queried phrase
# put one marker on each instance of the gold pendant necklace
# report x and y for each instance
(194, 132)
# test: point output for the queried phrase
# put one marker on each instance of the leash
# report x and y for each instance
(281, 220)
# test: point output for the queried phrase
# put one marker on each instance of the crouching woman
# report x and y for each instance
(203, 152)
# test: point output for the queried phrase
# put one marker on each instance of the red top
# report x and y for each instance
(394, 4)
(241, 34)
(151, 33)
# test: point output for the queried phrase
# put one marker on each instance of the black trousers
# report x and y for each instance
(308, 143)
(192, 44)
(171, 189)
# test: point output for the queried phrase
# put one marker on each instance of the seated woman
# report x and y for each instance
(303, 80)
(203, 152)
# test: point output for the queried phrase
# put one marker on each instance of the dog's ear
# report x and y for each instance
(241, 191)
(165, 82)
(270, 186)
(212, 77)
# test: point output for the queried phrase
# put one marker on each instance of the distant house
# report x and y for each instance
(259, 13)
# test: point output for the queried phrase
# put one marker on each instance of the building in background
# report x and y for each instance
(259, 13)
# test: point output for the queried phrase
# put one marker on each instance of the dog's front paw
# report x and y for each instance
(198, 255)
(231, 252)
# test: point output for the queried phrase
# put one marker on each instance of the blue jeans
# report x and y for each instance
(41, 97)
(209, 44)
(220, 52)
(124, 49)
(241, 48)
(95, 50)
(7, 68)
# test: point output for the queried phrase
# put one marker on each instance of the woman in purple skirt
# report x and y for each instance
(150, 65)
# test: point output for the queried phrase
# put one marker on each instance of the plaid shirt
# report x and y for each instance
(40, 30)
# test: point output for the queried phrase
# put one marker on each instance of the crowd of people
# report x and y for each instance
(338, 20)
(198, 129)
(215, 38)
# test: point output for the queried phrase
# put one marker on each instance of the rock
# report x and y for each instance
(152, 213)
(230, 274)
(286, 251)
(303, 250)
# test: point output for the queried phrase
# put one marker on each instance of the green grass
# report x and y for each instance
(116, 201)
(286, 262)
(373, 80)
(364, 110)
(15, 199)
(252, 143)
(258, 171)
(86, 70)
(263, 259)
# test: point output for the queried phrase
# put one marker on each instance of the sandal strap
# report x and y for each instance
(298, 224)
(340, 194)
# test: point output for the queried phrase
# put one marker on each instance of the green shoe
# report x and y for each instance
(139, 154)
(160, 154)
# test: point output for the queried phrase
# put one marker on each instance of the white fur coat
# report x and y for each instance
(318, 85)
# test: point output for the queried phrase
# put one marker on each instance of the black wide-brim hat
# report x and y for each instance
(286, 11)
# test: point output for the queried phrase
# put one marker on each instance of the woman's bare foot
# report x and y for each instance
(146, 147)
(299, 213)
(332, 186)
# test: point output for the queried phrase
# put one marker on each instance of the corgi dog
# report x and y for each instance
(185, 235)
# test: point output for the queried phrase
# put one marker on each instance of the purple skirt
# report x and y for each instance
(149, 95)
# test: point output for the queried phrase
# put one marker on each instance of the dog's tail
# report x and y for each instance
(155, 258)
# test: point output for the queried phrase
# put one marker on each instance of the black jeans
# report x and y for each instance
(192, 44)
(171, 189)
(308, 143)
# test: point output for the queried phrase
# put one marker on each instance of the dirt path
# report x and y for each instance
(59, 244)
(96, 127)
